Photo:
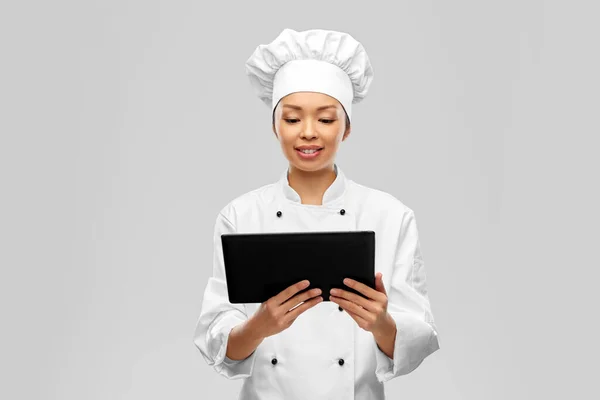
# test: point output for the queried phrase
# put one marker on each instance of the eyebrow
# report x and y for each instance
(300, 108)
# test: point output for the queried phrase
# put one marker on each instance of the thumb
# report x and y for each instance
(379, 283)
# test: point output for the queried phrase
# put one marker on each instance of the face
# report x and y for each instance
(303, 119)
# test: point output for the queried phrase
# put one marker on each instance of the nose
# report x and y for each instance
(309, 131)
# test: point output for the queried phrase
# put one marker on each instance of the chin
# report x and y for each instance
(309, 166)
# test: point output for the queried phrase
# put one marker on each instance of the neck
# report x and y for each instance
(311, 185)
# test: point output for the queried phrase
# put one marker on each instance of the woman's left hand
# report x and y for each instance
(371, 313)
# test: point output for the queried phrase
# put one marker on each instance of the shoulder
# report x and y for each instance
(246, 202)
(377, 200)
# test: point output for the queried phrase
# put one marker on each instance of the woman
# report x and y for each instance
(347, 347)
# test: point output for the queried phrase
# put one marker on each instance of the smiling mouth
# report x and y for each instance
(309, 151)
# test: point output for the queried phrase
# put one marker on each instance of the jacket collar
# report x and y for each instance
(332, 195)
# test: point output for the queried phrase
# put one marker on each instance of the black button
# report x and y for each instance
(340, 308)
(341, 362)
(274, 361)
(342, 211)
(279, 213)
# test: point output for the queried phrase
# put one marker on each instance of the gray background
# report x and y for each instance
(127, 125)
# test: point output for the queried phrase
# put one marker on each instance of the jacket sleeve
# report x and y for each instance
(408, 304)
(218, 316)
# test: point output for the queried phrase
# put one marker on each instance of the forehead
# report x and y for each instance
(309, 101)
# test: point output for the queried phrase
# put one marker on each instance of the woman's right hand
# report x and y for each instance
(274, 315)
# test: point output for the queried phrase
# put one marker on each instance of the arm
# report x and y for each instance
(386, 338)
(221, 320)
(243, 341)
(415, 336)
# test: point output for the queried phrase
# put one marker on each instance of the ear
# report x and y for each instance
(275, 131)
(347, 133)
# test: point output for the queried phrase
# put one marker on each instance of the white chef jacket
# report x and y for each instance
(324, 354)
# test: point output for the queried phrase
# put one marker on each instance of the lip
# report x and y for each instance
(311, 147)
(308, 156)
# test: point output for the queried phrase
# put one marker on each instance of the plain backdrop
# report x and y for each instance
(127, 125)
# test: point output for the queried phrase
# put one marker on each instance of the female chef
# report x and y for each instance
(345, 348)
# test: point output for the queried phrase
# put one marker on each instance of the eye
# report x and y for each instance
(328, 121)
(290, 120)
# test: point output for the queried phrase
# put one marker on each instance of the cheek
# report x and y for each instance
(334, 140)
(286, 137)
(287, 143)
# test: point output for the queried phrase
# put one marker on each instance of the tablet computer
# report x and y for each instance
(259, 266)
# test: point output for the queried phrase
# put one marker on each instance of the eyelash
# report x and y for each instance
(296, 119)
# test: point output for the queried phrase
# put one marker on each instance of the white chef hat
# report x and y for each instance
(316, 60)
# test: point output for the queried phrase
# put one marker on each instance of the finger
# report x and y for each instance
(290, 291)
(359, 314)
(359, 320)
(364, 289)
(297, 299)
(367, 304)
(379, 286)
(292, 315)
